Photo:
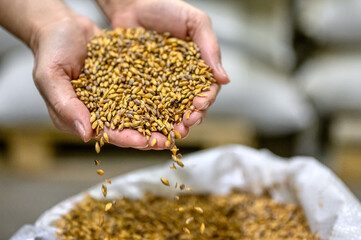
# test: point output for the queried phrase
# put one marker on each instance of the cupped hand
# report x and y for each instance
(181, 20)
(60, 48)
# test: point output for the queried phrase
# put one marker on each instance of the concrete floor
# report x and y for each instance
(24, 197)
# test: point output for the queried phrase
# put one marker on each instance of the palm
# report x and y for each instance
(181, 20)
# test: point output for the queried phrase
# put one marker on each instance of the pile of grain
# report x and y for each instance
(139, 79)
(234, 216)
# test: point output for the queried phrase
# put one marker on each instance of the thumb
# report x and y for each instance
(75, 117)
(201, 32)
(66, 110)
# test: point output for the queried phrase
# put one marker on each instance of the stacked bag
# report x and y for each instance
(256, 43)
(332, 77)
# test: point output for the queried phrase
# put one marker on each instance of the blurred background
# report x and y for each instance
(295, 67)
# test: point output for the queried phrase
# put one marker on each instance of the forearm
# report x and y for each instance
(24, 18)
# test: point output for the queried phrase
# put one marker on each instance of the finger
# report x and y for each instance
(159, 143)
(207, 98)
(157, 140)
(195, 118)
(182, 19)
(75, 117)
(127, 138)
(182, 129)
(56, 120)
(192, 118)
(67, 111)
(201, 32)
(201, 103)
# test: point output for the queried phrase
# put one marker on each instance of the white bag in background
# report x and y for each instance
(331, 209)
(262, 95)
(332, 80)
(8, 41)
(16, 77)
(263, 29)
(332, 22)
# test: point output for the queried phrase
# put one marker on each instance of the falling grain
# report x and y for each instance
(108, 206)
(104, 190)
(202, 228)
(165, 181)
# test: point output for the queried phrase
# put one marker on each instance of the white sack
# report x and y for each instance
(20, 101)
(301, 180)
(331, 21)
(7, 41)
(262, 95)
(88, 9)
(333, 81)
(261, 28)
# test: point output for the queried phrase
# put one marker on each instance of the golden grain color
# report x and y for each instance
(108, 206)
(104, 190)
(237, 216)
(202, 228)
(164, 181)
(139, 79)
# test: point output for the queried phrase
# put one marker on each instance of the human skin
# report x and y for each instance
(58, 39)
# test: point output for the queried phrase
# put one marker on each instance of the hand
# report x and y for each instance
(60, 48)
(181, 20)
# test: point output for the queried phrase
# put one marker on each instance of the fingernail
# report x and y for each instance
(142, 147)
(198, 122)
(79, 129)
(204, 106)
(221, 70)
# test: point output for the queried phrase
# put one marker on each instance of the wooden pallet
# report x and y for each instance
(31, 149)
(345, 147)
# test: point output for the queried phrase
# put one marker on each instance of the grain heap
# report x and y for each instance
(139, 79)
(234, 216)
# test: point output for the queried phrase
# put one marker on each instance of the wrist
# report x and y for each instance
(41, 26)
(23, 18)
